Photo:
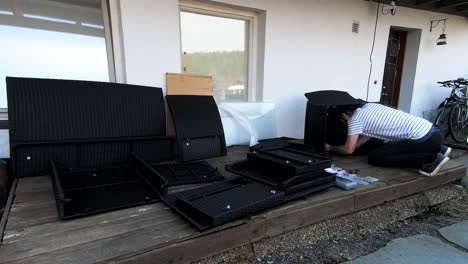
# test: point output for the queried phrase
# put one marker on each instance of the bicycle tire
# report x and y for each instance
(458, 122)
(442, 124)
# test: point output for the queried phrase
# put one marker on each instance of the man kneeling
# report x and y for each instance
(410, 141)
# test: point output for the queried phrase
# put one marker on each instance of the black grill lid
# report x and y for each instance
(331, 97)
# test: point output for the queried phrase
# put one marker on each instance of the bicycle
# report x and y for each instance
(453, 114)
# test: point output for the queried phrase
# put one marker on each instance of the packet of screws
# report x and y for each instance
(351, 175)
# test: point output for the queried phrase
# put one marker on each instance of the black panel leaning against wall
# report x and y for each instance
(48, 118)
(198, 125)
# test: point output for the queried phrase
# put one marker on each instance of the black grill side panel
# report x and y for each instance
(315, 126)
(198, 126)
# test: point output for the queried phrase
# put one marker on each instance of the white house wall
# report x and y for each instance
(309, 46)
(151, 40)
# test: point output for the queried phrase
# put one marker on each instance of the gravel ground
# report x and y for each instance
(356, 245)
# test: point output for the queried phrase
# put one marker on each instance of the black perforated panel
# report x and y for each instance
(55, 110)
(198, 126)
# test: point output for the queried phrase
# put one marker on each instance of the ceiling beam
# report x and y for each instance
(462, 8)
(451, 3)
(451, 7)
(424, 2)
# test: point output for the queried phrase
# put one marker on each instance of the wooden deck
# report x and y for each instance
(153, 234)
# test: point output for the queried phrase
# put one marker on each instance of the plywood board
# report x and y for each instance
(188, 84)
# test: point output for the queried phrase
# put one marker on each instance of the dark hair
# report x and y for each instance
(349, 109)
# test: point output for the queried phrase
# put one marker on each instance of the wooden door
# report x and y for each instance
(391, 84)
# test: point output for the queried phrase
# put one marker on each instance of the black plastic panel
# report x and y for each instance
(273, 143)
(323, 123)
(220, 203)
(289, 185)
(332, 97)
(82, 193)
(150, 176)
(315, 126)
(58, 110)
(201, 148)
(288, 162)
(293, 194)
(188, 173)
(34, 159)
(290, 143)
(163, 175)
(198, 126)
(83, 124)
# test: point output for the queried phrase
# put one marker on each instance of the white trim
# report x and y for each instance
(3, 114)
(250, 17)
(86, 23)
(92, 25)
(8, 13)
(50, 15)
(253, 60)
(215, 9)
(108, 40)
(117, 41)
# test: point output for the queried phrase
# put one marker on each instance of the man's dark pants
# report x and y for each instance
(408, 153)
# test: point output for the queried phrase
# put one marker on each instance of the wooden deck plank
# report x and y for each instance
(56, 241)
(34, 196)
(202, 246)
(111, 247)
(293, 219)
(332, 194)
(30, 213)
(64, 227)
(6, 212)
(34, 184)
(397, 190)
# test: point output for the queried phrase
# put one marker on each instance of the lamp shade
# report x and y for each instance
(442, 40)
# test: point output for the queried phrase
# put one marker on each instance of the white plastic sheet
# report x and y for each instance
(246, 123)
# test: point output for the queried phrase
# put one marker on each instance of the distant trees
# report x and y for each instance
(227, 68)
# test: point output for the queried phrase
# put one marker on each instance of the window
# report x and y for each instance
(52, 39)
(218, 41)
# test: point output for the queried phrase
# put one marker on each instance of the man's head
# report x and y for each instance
(348, 111)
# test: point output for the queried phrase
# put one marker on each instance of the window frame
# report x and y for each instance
(224, 11)
(17, 10)
(3, 118)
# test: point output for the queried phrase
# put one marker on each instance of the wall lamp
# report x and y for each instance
(442, 40)
(389, 9)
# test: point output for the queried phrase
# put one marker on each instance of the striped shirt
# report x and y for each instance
(382, 122)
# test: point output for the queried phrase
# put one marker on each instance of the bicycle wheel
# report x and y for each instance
(458, 122)
(442, 122)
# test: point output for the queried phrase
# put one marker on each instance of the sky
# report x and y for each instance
(203, 33)
(49, 54)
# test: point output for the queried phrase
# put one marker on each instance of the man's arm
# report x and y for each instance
(352, 142)
(362, 139)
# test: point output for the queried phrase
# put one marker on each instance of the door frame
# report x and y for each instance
(410, 60)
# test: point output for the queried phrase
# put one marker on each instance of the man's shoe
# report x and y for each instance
(431, 169)
(444, 150)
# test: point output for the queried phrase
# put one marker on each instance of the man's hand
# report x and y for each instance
(347, 149)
